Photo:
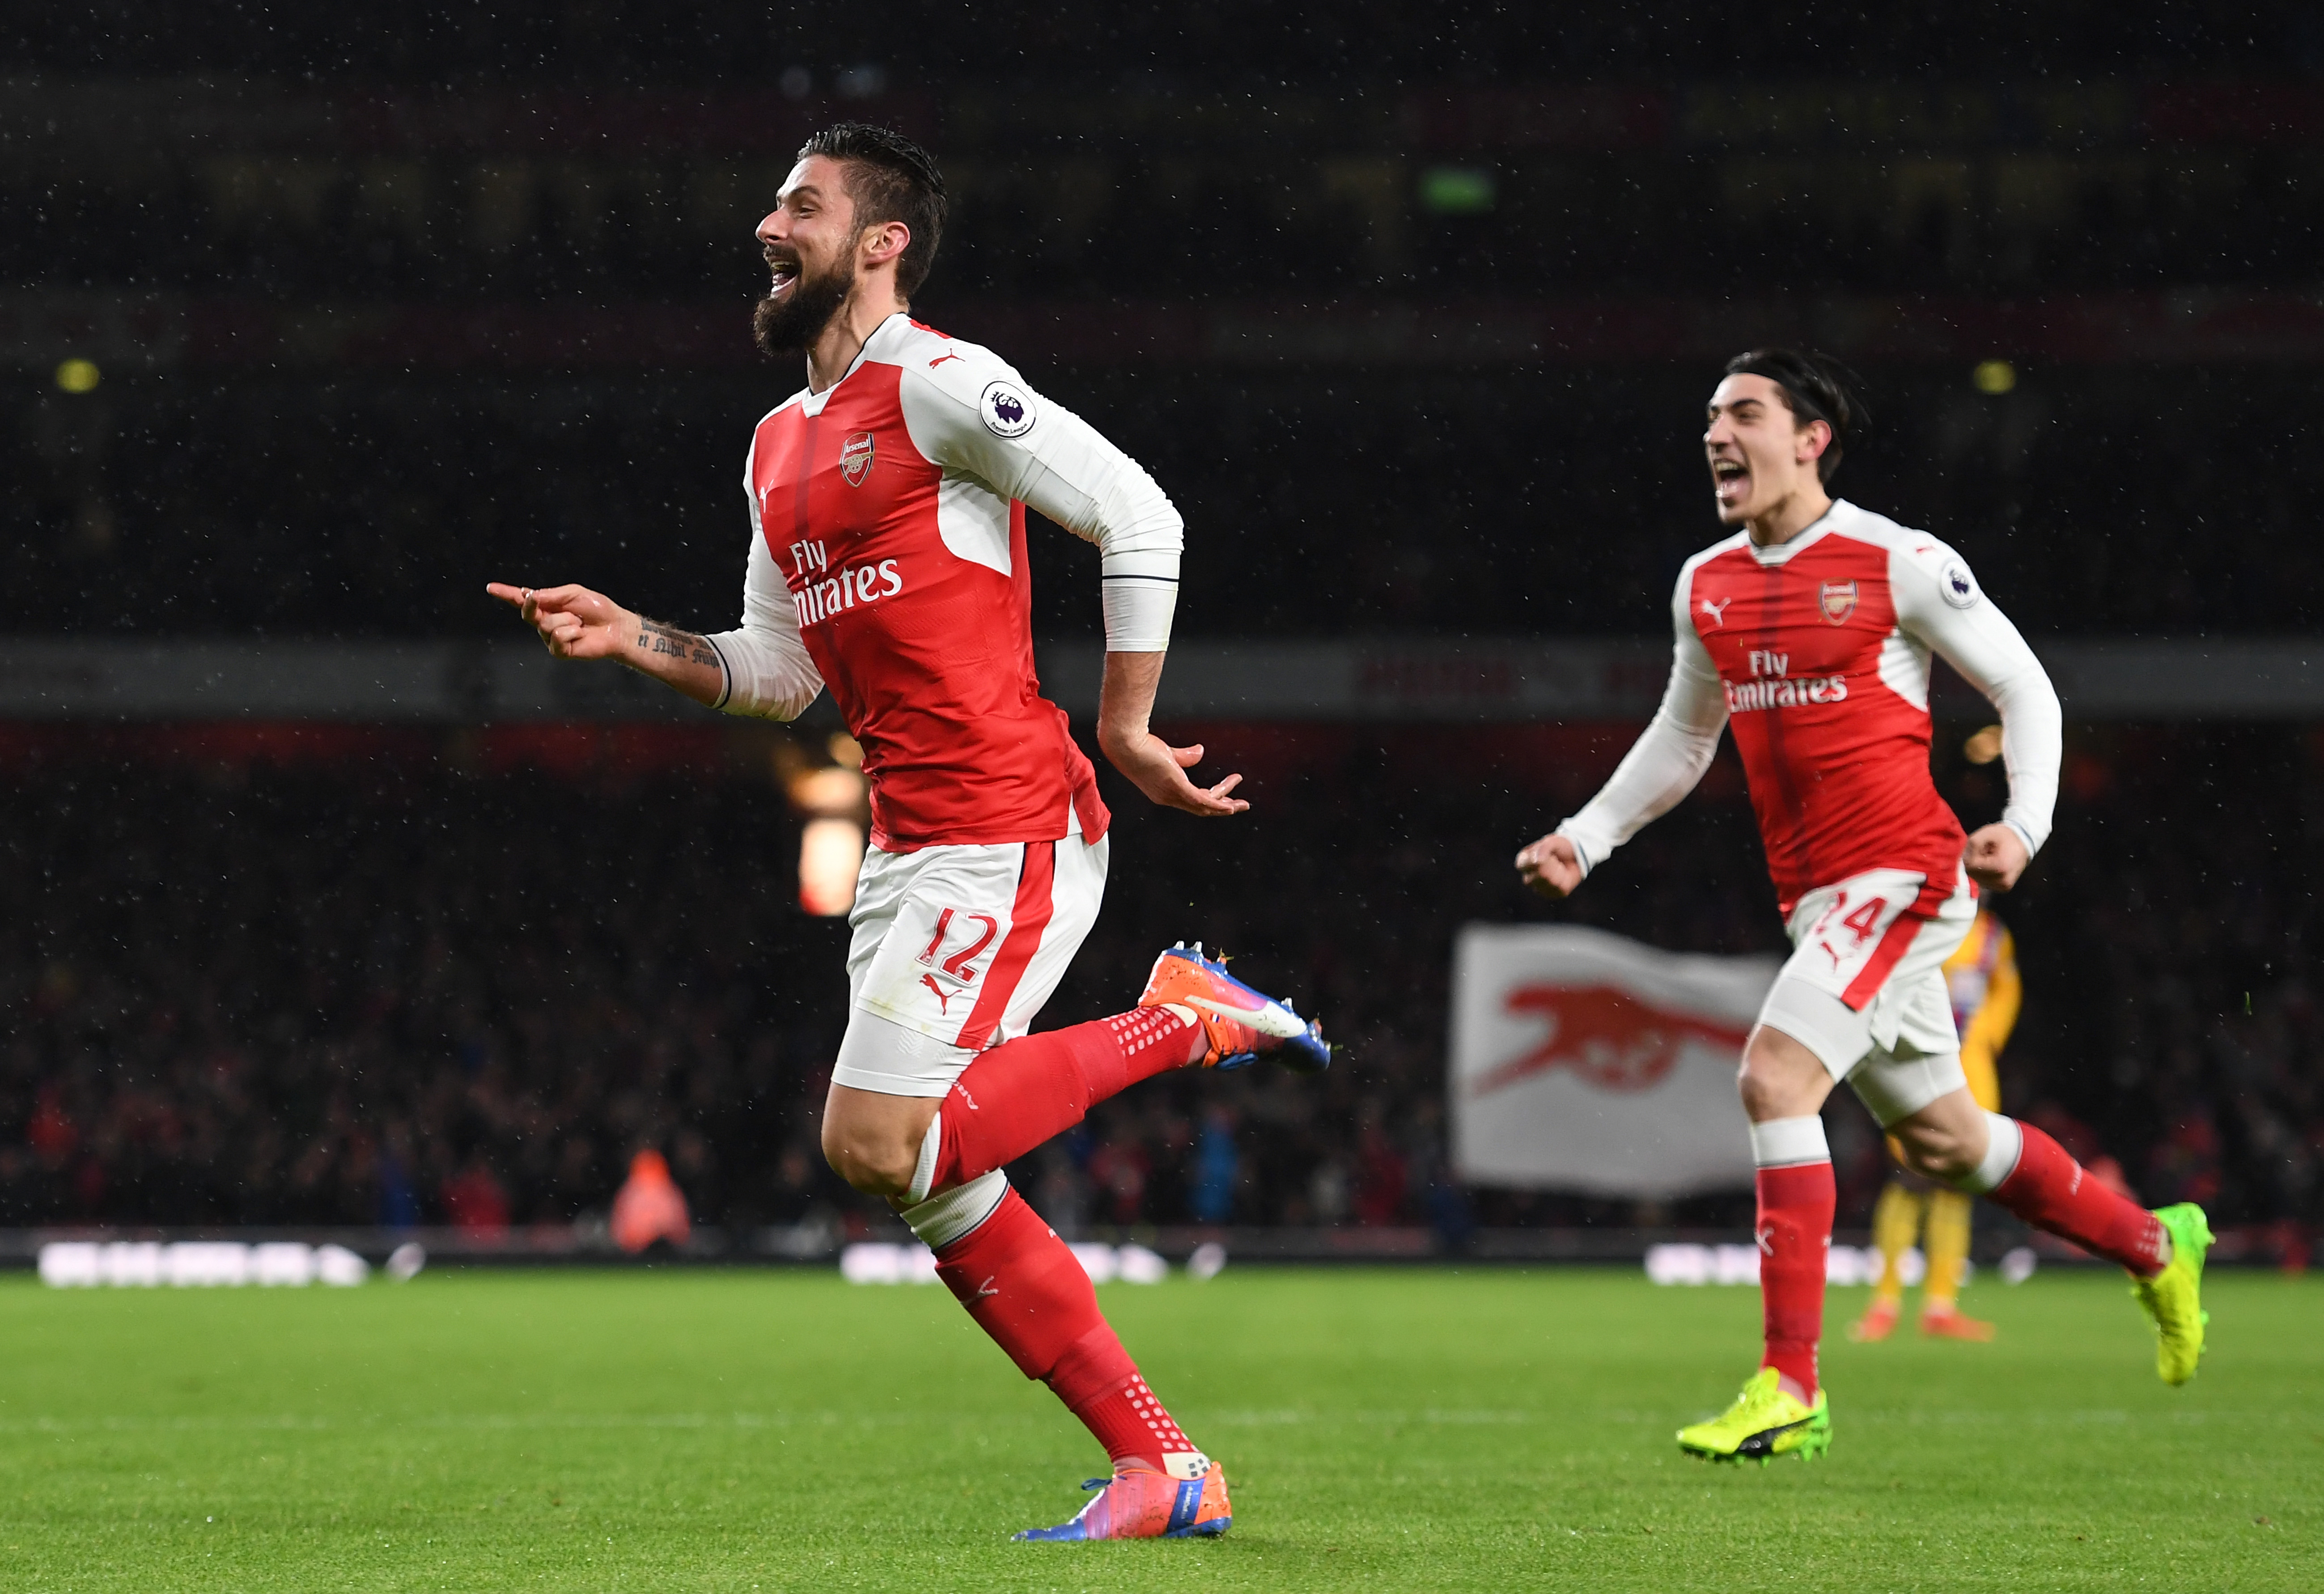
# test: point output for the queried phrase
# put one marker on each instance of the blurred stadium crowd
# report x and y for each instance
(355, 976)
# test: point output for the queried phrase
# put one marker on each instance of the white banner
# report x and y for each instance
(1584, 1062)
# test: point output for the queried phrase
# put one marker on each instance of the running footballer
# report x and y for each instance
(1807, 635)
(887, 560)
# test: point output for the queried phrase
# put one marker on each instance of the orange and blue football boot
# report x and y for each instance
(1239, 1025)
(1140, 1504)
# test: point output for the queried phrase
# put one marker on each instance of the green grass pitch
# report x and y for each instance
(1481, 1429)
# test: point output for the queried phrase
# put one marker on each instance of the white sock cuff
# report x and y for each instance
(924, 1171)
(2004, 1143)
(945, 1220)
(1789, 1142)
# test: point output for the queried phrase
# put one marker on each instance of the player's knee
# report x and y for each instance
(1763, 1098)
(1779, 1078)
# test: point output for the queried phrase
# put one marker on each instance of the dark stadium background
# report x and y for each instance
(1412, 312)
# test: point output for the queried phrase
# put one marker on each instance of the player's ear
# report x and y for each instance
(885, 243)
(1813, 439)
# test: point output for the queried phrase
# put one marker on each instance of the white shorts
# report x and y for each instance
(956, 948)
(1865, 988)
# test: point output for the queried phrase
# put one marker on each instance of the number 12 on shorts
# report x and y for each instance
(978, 931)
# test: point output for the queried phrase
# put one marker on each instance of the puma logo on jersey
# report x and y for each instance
(944, 997)
(940, 359)
(1718, 611)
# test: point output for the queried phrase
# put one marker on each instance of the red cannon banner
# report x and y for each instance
(1581, 1061)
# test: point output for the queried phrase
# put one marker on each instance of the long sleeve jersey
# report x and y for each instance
(888, 561)
(1816, 652)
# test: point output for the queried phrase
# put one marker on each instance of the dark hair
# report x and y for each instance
(1817, 387)
(889, 179)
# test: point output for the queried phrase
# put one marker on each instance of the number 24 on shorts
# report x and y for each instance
(1863, 922)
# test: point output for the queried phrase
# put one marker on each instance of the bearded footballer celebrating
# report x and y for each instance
(887, 560)
(1808, 633)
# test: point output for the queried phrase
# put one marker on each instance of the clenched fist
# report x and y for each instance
(1994, 857)
(1551, 866)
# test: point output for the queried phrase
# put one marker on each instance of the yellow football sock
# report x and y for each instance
(1948, 1221)
(1895, 1224)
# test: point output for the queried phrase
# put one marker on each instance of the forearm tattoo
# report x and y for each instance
(656, 637)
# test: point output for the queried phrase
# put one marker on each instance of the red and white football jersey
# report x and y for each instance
(1815, 653)
(888, 561)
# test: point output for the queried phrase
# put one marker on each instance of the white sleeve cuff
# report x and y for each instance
(768, 676)
(1137, 613)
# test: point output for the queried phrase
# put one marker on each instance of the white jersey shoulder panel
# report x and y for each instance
(972, 517)
(1941, 609)
(968, 412)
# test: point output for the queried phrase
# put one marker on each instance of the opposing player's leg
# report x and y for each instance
(1895, 1227)
(1947, 1257)
(1951, 1216)
(1781, 1410)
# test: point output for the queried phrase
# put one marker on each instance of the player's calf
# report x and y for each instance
(2029, 1173)
(1021, 1094)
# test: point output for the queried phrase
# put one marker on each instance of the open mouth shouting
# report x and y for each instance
(1731, 481)
(784, 271)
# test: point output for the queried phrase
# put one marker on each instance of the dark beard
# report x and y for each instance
(787, 325)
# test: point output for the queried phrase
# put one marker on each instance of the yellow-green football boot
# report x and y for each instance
(2174, 1297)
(1763, 1423)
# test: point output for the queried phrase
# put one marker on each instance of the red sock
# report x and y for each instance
(2050, 1189)
(1119, 1408)
(1029, 1090)
(1795, 1231)
(1025, 1288)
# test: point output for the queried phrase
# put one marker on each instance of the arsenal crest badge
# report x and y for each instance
(1839, 601)
(855, 459)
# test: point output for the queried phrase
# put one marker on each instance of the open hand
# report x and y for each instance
(573, 622)
(1994, 857)
(1160, 770)
(1551, 866)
